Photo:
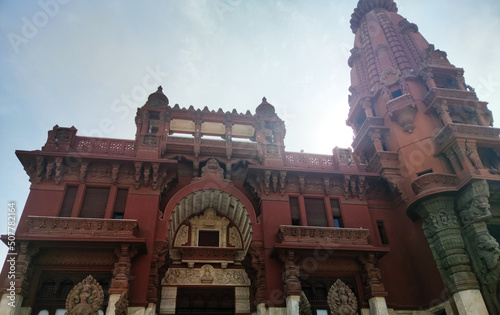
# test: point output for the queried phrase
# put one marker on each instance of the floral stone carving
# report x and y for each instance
(206, 275)
(85, 298)
(341, 299)
(304, 305)
(121, 306)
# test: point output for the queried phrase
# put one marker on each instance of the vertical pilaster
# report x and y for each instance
(291, 282)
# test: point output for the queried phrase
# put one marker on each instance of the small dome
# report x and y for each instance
(157, 99)
(265, 108)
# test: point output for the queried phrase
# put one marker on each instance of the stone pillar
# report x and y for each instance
(242, 300)
(474, 210)
(261, 309)
(374, 287)
(378, 306)
(442, 230)
(168, 300)
(113, 298)
(10, 304)
(470, 302)
(444, 114)
(121, 273)
(291, 282)
(292, 304)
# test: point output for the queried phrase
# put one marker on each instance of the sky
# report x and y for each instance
(90, 64)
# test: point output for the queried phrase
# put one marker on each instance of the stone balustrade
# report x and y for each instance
(304, 160)
(105, 146)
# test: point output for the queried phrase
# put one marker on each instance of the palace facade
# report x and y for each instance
(205, 212)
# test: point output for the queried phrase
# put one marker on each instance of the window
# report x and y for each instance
(337, 217)
(154, 122)
(315, 212)
(294, 209)
(68, 201)
(208, 238)
(120, 202)
(382, 233)
(396, 94)
(94, 202)
(425, 172)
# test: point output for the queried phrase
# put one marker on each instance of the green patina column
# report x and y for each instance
(474, 210)
(442, 229)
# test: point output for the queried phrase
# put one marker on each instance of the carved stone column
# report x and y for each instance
(374, 288)
(443, 233)
(258, 264)
(474, 210)
(11, 301)
(121, 275)
(291, 282)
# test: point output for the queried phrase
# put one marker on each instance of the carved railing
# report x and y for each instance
(324, 235)
(306, 160)
(449, 94)
(466, 131)
(383, 160)
(105, 146)
(81, 227)
(434, 181)
(369, 122)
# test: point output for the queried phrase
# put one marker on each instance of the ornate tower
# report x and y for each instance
(419, 125)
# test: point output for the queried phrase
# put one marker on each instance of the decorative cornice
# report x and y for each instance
(365, 6)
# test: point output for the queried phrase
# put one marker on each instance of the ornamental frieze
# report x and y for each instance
(206, 275)
(325, 235)
(81, 227)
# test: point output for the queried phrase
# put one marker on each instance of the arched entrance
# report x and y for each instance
(210, 231)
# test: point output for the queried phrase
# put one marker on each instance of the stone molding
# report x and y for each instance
(81, 227)
(403, 110)
(323, 235)
(434, 180)
(206, 275)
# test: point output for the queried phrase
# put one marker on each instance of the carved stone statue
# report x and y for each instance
(471, 152)
(304, 305)
(341, 299)
(121, 306)
(85, 298)
(479, 210)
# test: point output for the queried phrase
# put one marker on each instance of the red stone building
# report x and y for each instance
(179, 222)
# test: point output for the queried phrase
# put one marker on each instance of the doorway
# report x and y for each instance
(205, 301)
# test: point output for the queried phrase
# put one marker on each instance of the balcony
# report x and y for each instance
(452, 132)
(323, 235)
(456, 97)
(305, 160)
(105, 146)
(383, 160)
(434, 182)
(402, 110)
(70, 228)
(363, 134)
